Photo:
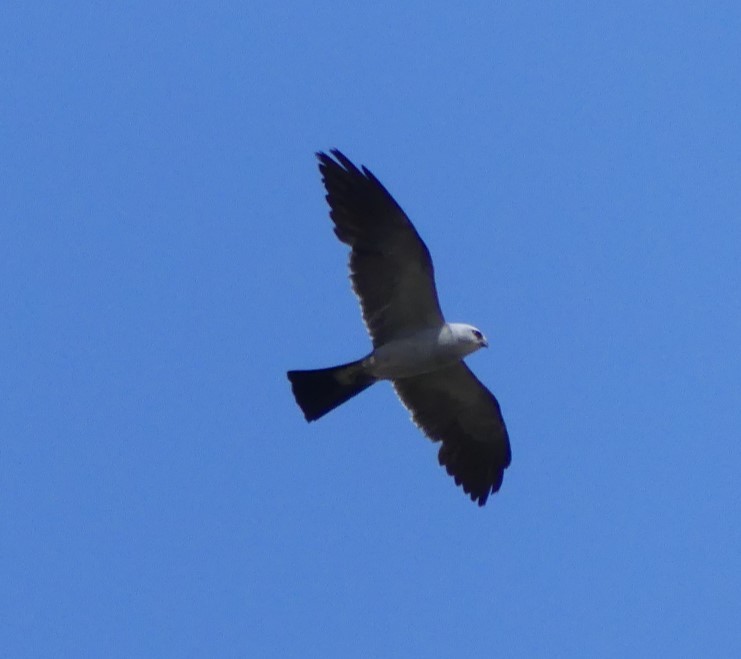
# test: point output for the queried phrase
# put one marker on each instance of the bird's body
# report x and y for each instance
(424, 351)
(413, 346)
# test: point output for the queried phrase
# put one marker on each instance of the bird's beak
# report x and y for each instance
(484, 343)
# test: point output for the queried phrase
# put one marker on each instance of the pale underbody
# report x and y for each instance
(425, 351)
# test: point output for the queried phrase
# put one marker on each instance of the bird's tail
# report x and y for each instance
(320, 391)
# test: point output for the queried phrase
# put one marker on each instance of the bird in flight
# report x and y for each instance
(413, 347)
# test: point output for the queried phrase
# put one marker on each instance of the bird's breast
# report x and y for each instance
(420, 353)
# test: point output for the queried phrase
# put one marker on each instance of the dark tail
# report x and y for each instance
(320, 391)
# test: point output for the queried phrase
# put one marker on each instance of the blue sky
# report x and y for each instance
(166, 255)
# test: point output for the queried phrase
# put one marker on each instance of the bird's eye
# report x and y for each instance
(478, 335)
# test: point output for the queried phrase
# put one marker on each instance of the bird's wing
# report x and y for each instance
(452, 406)
(390, 266)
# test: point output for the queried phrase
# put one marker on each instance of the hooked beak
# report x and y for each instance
(484, 343)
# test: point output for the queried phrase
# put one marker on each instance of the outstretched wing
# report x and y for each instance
(451, 405)
(390, 266)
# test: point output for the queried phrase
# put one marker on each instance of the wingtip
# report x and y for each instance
(338, 154)
(336, 158)
(328, 154)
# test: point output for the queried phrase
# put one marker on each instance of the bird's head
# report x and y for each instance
(479, 338)
(469, 336)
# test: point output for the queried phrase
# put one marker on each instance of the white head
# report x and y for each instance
(468, 337)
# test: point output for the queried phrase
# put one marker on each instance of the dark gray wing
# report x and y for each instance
(452, 406)
(390, 266)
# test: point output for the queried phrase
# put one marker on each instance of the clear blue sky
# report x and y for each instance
(166, 255)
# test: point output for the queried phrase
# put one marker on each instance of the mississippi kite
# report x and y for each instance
(413, 347)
